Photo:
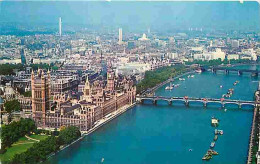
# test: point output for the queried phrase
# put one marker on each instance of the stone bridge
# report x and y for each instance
(238, 71)
(187, 100)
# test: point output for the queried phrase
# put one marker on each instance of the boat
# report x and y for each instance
(216, 138)
(188, 76)
(190, 149)
(221, 132)
(225, 110)
(207, 157)
(192, 76)
(212, 144)
(169, 87)
(220, 86)
(212, 152)
(216, 131)
(181, 79)
(176, 85)
(214, 121)
(198, 71)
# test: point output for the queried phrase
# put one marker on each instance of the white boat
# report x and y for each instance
(181, 79)
(192, 76)
(176, 85)
(198, 71)
(221, 86)
(169, 87)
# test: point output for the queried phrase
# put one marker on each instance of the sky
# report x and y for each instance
(133, 15)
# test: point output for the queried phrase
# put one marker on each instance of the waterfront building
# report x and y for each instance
(62, 84)
(41, 92)
(99, 99)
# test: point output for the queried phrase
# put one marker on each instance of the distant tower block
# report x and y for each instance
(60, 26)
(120, 36)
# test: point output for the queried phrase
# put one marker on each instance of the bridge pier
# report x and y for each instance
(187, 103)
(223, 105)
(227, 71)
(170, 102)
(239, 73)
(239, 106)
(155, 102)
(205, 104)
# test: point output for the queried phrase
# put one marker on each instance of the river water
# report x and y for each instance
(164, 134)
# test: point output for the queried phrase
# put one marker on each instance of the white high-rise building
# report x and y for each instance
(60, 26)
(120, 36)
(235, 43)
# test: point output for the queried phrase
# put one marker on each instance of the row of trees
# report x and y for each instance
(152, 78)
(41, 150)
(12, 132)
(8, 69)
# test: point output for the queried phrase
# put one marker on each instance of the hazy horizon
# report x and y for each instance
(131, 16)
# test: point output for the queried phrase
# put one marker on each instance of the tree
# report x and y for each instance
(12, 132)
(11, 106)
(68, 135)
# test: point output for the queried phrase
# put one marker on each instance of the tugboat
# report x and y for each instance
(207, 157)
(212, 144)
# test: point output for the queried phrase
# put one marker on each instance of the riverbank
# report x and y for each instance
(253, 135)
(251, 141)
(167, 81)
(102, 122)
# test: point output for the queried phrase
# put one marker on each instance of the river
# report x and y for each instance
(164, 134)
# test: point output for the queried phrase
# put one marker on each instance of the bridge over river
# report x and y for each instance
(187, 100)
(238, 71)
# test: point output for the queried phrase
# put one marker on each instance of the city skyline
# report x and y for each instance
(159, 16)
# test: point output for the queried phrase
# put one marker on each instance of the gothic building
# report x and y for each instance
(41, 91)
(98, 99)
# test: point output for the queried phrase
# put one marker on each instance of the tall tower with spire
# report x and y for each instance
(41, 92)
(87, 91)
(110, 81)
(60, 27)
